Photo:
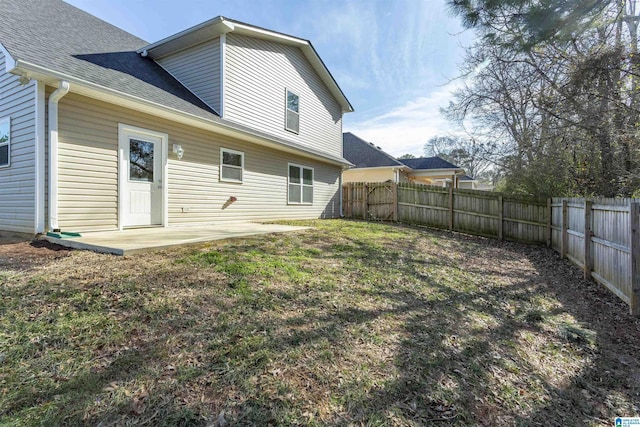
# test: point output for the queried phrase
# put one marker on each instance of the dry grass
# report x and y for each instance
(350, 323)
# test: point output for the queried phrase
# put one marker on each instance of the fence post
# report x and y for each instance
(564, 241)
(352, 199)
(588, 256)
(634, 253)
(395, 201)
(451, 213)
(365, 203)
(345, 203)
(500, 217)
(549, 217)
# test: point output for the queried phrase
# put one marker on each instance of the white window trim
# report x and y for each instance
(286, 110)
(222, 151)
(302, 184)
(6, 120)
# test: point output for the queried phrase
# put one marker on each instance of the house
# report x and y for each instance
(468, 183)
(100, 130)
(434, 171)
(372, 164)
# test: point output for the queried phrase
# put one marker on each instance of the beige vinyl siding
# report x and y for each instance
(88, 195)
(198, 68)
(17, 182)
(368, 175)
(257, 72)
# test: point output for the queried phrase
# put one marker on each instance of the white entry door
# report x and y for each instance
(142, 180)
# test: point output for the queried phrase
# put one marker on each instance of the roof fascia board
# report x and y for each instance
(9, 62)
(440, 170)
(93, 90)
(244, 29)
(225, 27)
(382, 167)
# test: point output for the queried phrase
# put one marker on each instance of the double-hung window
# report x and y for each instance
(231, 165)
(300, 185)
(5, 142)
(292, 119)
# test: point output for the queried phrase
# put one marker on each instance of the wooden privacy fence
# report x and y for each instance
(470, 211)
(611, 254)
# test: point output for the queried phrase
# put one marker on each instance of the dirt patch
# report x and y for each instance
(18, 253)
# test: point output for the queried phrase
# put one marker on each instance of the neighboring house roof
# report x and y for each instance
(467, 178)
(53, 39)
(364, 154)
(221, 25)
(429, 163)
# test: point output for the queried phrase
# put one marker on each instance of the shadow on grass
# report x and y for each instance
(452, 372)
(478, 332)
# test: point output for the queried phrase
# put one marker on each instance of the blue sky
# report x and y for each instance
(395, 60)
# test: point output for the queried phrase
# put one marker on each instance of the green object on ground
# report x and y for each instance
(63, 234)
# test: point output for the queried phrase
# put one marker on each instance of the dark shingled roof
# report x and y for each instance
(60, 37)
(64, 39)
(467, 178)
(429, 163)
(364, 154)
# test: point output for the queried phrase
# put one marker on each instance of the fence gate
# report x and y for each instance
(381, 201)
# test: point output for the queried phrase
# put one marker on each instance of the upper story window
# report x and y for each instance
(5, 142)
(292, 119)
(231, 165)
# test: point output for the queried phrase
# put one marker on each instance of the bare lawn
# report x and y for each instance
(349, 323)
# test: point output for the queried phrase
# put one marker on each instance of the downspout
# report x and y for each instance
(62, 90)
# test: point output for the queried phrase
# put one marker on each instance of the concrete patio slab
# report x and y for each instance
(147, 239)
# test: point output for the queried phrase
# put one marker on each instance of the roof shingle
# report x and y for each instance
(57, 36)
(364, 154)
(429, 163)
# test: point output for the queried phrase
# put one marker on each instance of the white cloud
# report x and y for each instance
(407, 128)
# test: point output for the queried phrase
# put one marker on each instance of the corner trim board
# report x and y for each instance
(223, 61)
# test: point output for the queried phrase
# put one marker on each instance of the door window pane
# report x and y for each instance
(141, 160)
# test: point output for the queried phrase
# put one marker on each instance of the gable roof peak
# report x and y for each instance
(221, 25)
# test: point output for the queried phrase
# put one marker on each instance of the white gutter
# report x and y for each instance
(62, 90)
